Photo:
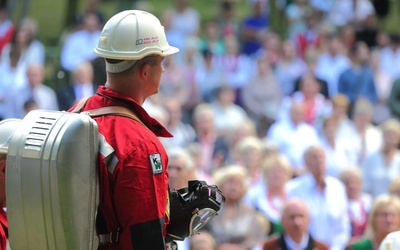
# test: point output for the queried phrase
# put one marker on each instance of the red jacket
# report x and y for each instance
(133, 186)
(3, 229)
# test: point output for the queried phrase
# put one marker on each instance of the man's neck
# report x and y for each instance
(297, 238)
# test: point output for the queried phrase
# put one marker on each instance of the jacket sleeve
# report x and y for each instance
(140, 198)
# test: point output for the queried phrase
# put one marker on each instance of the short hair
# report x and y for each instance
(291, 201)
(391, 124)
(311, 149)
(249, 142)
(394, 186)
(84, 66)
(329, 120)
(356, 171)
(277, 160)
(340, 100)
(224, 173)
(201, 109)
(363, 106)
(379, 202)
(30, 24)
(182, 153)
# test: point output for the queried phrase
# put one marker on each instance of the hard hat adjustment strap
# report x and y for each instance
(119, 67)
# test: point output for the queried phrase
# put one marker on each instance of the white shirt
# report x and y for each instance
(186, 22)
(329, 69)
(44, 96)
(229, 117)
(257, 196)
(292, 140)
(371, 143)
(329, 221)
(388, 59)
(338, 158)
(296, 246)
(321, 110)
(78, 48)
(83, 90)
(34, 53)
(361, 206)
(344, 12)
(377, 175)
(288, 73)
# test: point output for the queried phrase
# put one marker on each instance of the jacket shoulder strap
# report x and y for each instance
(111, 110)
(80, 105)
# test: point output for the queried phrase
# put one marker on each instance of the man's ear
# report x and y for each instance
(144, 71)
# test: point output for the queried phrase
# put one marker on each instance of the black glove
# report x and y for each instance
(192, 208)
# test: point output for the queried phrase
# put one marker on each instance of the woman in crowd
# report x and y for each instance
(359, 201)
(384, 218)
(383, 166)
(269, 197)
(238, 226)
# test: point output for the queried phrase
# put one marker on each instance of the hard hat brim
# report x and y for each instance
(134, 55)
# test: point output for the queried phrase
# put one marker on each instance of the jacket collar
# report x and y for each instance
(113, 98)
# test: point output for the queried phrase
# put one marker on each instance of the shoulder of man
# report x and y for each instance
(272, 243)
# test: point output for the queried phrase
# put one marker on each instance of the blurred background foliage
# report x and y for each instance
(55, 17)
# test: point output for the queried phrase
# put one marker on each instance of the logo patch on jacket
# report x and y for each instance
(155, 161)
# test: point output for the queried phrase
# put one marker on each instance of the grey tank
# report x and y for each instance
(51, 182)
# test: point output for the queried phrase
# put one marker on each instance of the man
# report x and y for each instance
(293, 135)
(133, 179)
(331, 64)
(7, 128)
(358, 79)
(77, 48)
(81, 86)
(36, 90)
(295, 220)
(325, 198)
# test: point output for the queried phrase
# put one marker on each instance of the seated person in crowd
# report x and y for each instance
(270, 196)
(326, 199)
(359, 202)
(295, 221)
(238, 226)
(384, 219)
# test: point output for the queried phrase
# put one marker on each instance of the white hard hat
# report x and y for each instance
(7, 128)
(132, 35)
(391, 242)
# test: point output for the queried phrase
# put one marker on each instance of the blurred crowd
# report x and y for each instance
(300, 131)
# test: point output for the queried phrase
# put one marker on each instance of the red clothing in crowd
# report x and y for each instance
(6, 38)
